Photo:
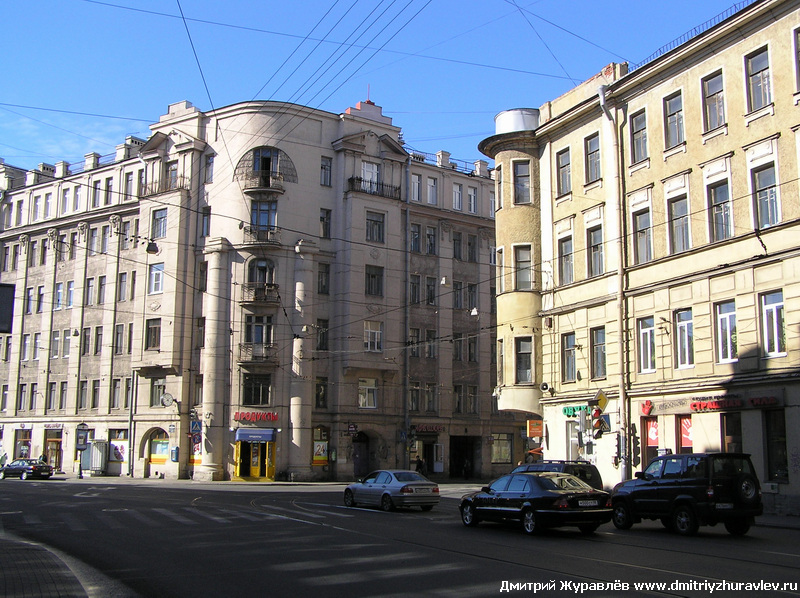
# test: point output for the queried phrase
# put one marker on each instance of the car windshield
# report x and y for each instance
(562, 482)
(730, 466)
(409, 476)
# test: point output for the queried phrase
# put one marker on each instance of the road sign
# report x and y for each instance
(196, 427)
(600, 399)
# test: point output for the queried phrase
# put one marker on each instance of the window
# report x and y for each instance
(158, 227)
(258, 332)
(58, 297)
(522, 267)
(96, 194)
(498, 177)
(430, 290)
(679, 224)
(472, 200)
(773, 333)
(172, 175)
(54, 344)
(373, 281)
(592, 150)
(725, 315)
(368, 393)
(472, 249)
(370, 177)
(472, 296)
(565, 264)
(322, 335)
(413, 396)
(430, 240)
(128, 189)
(109, 191)
(37, 342)
(597, 339)
(416, 187)
(22, 397)
(458, 203)
(70, 292)
(64, 201)
(522, 182)
(321, 393)
(119, 339)
(101, 290)
(86, 341)
(673, 120)
(713, 102)
(642, 252)
(205, 222)
(765, 196)
(459, 396)
(152, 339)
(568, 363)
(48, 205)
(29, 300)
(413, 342)
(40, 298)
(432, 196)
(721, 212)
(564, 183)
(256, 390)
(414, 289)
(458, 346)
(373, 336)
(457, 245)
(62, 396)
(647, 344)
(98, 340)
(430, 344)
(501, 448)
(375, 227)
(759, 93)
(524, 352)
(65, 344)
(155, 279)
(76, 199)
(684, 339)
(595, 262)
(122, 286)
(95, 394)
(264, 215)
(88, 298)
(414, 238)
(325, 170)
(638, 137)
(92, 244)
(777, 455)
(324, 279)
(324, 223)
(116, 386)
(430, 397)
(83, 394)
(472, 349)
(209, 168)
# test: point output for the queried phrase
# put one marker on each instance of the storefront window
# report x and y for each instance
(732, 432)
(777, 461)
(650, 428)
(684, 433)
(501, 448)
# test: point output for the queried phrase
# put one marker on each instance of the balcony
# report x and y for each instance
(254, 353)
(165, 185)
(371, 187)
(261, 234)
(262, 180)
(260, 292)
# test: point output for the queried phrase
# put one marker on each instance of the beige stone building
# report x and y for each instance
(647, 239)
(262, 291)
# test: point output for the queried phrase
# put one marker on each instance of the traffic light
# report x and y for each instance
(598, 425)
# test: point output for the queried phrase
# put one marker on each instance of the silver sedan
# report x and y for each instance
(390, 488)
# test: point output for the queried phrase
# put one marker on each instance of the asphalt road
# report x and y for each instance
(194, 540)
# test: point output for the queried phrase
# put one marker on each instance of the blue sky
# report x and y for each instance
(441, 69)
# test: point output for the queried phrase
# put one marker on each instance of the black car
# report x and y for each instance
(689, 490)
(580, 469)
(538, 500)
(26, 468)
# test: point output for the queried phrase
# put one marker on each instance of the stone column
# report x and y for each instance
(216, 360)
(302, 385)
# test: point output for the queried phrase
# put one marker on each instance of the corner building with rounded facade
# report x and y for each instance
(264, 291)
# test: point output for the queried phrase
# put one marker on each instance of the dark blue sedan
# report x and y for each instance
(26, 468)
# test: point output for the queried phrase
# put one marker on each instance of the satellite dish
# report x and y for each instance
(167, 400)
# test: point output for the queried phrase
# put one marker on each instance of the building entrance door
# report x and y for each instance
(255, 460)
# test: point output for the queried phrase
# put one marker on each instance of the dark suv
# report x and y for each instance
(685, 491)
(580, 469)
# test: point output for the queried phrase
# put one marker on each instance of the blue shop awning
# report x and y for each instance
(255, 434)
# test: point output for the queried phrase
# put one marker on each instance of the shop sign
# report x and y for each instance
(535, 428)
(716, 405)
(573, 410)
(664, 407)
(255, 416)
(429, 428)
(320, 453)
(50, 426)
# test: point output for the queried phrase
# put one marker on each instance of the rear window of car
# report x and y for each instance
(725, 467)
(562, 482)
(409, 476)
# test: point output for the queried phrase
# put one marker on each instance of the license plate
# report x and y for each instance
(724, 505)
(587, 503)
(422, 490)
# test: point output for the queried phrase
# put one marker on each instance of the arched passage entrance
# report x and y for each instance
(154, 450)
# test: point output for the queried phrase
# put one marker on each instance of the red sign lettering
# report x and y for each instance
(255, 416)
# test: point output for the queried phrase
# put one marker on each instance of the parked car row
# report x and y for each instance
(682, 491)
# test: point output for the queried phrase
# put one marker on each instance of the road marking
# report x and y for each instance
(143, 518)
(110, 521)
(176, 517)
(196, 511)
(292, 511)
(240, 515)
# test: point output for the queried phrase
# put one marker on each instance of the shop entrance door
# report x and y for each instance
(255, 460)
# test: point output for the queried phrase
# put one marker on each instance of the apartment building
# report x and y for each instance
(648, 258)
(262, 291)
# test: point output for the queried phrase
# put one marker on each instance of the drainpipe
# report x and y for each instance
(406, 314)
(622, 337)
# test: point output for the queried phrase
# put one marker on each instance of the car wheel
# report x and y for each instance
(426, 507)
(684, 521)
(747, 489)
(386, 503)
(530, 522)
(587, 529)
(23, 475)
(622, 515)
(468, 516)
(349, 499)
(737, 527)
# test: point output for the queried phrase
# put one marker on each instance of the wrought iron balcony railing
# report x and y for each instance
(260, 292)
(257, 353)
(372, 187)
(261, 234)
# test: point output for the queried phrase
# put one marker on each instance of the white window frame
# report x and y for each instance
(684, 339)
(155, 279)
(373, 336)
(725, 316)
(367, 393)
(773, 326)
(646, 333)
(458, 197)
